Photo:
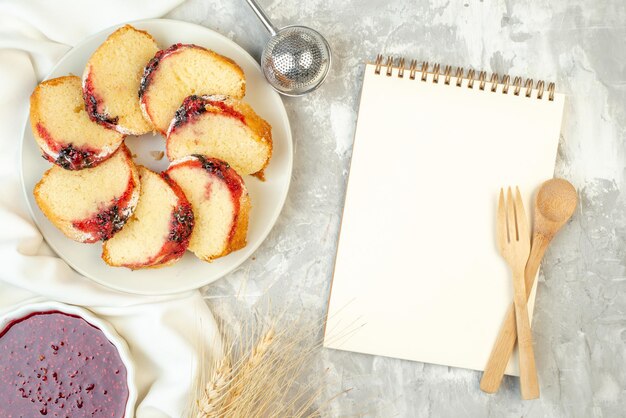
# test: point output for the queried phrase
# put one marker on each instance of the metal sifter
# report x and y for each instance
(296, 59)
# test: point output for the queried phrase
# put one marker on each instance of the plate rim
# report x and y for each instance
(252, 249)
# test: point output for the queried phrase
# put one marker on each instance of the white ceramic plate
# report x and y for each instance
(267, 197)
(108, 330)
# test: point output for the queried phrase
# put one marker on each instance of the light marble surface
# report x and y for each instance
(580, 322)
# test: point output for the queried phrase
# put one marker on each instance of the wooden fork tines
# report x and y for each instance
(514, 244)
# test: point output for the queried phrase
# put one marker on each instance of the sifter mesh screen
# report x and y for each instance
(296, 60)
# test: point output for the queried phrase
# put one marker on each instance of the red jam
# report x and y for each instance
(223, 171)
(178, 239)
(227, 110)
(58, 365)
(70, 157)
(182, 222)
(108, 221)
(193, 106)
(153, 64)
(181, 227)
(94, 107)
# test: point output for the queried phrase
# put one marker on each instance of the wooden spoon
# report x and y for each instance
(555, 204)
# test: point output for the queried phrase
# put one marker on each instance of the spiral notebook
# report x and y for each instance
(417, 274)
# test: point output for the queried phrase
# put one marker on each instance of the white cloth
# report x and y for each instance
(166, 334)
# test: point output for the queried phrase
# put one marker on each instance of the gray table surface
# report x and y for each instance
(580, 320)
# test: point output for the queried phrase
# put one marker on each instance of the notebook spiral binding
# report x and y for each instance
(460, 74)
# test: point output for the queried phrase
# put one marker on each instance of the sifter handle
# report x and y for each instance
(262, 17)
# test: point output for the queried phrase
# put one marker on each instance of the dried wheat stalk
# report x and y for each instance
(216, 389)
(261, 378)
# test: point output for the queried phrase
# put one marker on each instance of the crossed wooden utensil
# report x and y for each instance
(555, 204)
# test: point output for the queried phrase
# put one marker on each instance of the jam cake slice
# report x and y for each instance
(183, 70)
(90, 204)
(112, 77)
(62, 127)
(224, 128)
(158, 232)
(220, 204)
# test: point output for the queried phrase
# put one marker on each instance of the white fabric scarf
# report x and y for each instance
(166, 334)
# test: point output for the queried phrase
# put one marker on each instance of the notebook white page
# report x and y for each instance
(418, 275)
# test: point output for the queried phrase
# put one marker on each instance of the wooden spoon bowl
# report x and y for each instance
(556, 202)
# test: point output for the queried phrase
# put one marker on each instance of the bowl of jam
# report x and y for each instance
(59, 360)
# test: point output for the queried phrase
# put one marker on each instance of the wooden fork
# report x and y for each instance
(514, 245)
